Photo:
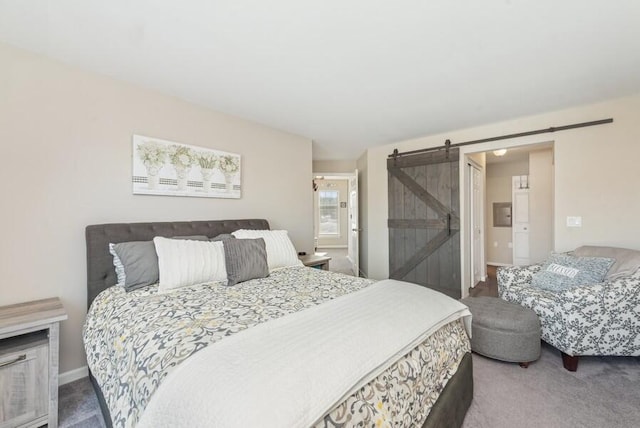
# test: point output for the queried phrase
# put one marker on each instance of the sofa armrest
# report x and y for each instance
(510, 276)
(623, 293)
(607, 296)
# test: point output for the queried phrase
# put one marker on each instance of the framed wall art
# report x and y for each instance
(162, 167)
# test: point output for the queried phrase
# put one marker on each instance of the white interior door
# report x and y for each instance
(354, 227)
(520, 220)
(476, 226)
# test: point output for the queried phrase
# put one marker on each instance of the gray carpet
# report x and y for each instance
(78, 406)
(339, 261)
(604, 392)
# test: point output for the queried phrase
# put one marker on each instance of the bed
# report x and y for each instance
(139, 342)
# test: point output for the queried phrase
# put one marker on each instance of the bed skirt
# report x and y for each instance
(449, 409)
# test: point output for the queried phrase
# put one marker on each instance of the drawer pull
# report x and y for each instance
(20, 358)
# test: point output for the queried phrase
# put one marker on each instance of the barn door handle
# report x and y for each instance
(20, 358)
(449, 224)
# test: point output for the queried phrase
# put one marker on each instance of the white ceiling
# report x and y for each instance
(516, 154)
(348, 74)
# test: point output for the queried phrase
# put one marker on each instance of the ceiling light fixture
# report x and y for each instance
(500, 152)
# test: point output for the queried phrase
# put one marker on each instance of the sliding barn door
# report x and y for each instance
(424, 220)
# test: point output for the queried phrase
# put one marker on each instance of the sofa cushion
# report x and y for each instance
(627, 261)
(561, 272)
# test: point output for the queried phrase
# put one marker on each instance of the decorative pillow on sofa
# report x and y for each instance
(187, 262)
(245, 259)
(561, 272)
(280, 249)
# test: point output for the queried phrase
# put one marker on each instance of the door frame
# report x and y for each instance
(350, 177)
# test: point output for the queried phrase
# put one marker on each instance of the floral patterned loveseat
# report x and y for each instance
(596, 319)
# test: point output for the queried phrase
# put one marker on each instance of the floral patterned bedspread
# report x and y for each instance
(133, 341)
(403, 395)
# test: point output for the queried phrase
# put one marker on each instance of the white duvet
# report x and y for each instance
(291, 371)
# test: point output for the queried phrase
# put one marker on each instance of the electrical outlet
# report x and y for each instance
(510, 245)
(495, 244)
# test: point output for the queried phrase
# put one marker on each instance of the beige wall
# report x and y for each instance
(499, 190)
(540, 204)
(596, 175)
(66, 163)
(328, 166)
(343, 239)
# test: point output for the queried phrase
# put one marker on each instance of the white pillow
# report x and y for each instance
(280, 249)
(185, 262)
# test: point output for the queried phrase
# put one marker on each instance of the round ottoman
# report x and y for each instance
(503, 330)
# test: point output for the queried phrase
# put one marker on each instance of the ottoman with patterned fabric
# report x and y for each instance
(503, 330)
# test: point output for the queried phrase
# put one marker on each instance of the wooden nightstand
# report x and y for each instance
(29, 342)
(318, 262)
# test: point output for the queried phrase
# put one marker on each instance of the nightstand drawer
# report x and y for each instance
(24, 379)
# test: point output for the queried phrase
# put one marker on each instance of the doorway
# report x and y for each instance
(336, 225)
(517, 207)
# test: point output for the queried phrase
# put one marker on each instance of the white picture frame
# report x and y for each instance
(162, 167)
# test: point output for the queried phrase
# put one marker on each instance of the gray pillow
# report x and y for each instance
(118, 265)
(139, 261)
(192, 237)
(245, 259)
(222, 237)
(561, 272)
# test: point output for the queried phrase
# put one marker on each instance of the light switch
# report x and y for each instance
(574, 221)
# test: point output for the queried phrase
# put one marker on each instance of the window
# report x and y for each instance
(329, 207)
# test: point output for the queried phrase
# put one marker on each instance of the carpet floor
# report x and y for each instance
(78, 406)
(339, 261)
(604, 392)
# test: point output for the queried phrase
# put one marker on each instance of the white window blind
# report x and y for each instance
(329, 206)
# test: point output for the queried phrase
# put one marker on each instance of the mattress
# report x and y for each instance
(134, 340)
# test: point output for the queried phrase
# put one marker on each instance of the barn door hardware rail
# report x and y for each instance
(448, 144)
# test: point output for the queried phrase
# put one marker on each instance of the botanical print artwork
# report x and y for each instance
(163, 167)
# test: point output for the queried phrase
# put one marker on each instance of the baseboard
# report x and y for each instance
(499, 264)
(71, 375)
(332, 246)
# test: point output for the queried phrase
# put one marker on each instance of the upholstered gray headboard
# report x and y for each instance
(100, 271)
